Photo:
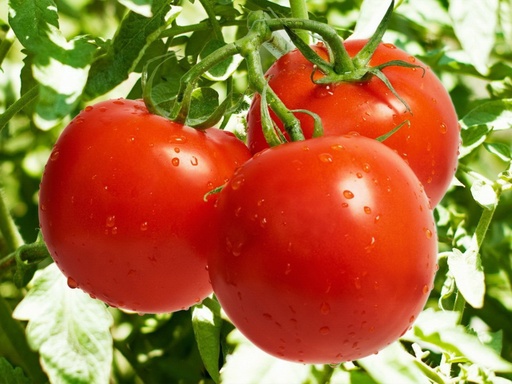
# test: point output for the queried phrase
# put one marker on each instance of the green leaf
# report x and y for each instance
(68, 328)
(437, 330)
(394, 365)
(475, 25)
(223, 70)
(484, 194)
(204, 103)
(250, 365)
(134, 35)
(11, 375)
(499, 149)
(469, 275)
(207, 323)
(59, 66)
(477, 123)
(142, 7)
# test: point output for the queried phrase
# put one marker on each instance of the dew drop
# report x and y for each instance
(178, 139)
(72, 283)
(348, 194)
(119, 102)
(114, 230)
(325, 158)
(175, 161)
(344, 205)
(55, 155)
(389, 45)
(357, 282)
(367, 210)
(411, 319)
(324, 331)
(88, 108)
(337, 147)
(194, 161)
(325, 308)
(443, 128)
(111, 221)
(425, 289)
(237, 182)
(263, 222)
(144, 226)
(366, 167)
(103, 109)
(359, 175)
(412, 59)
(428, 233)
(177, 150)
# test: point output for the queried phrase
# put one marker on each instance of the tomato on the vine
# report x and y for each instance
(122, 206)
(327, 249)
(428, 141)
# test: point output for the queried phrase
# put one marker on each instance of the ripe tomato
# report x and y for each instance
(122, 209)
(429, 144)
(330, 263)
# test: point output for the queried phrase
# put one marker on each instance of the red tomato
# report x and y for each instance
(327, 249)
(122, 209)
(429, 144)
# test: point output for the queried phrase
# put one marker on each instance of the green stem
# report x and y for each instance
(257, 78)
(6, 45)
(15, 347)
(341, 59)
(18, 105)
(300, 11)
(8, 229)
(212, 17)
(188, 81)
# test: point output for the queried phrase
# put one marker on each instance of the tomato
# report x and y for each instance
(327, 249)
(122, 206)
(429, 143)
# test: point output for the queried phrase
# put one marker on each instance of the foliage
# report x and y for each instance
(57, 56)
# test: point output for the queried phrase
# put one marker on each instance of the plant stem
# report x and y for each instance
(341, 59)
(15, 347)
(18, 105)
(6, 45)
(8, 229)
(300, 11)
(212, 19)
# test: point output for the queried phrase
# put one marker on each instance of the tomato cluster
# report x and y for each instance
(319, 251)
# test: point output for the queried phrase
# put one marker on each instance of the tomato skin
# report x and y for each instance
(122, 209)
(429, 144)
(332, 262)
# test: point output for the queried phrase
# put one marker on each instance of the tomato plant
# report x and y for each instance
(122, 206)
(332, 262)
(428, 141)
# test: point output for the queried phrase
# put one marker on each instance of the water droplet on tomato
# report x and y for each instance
(175, 161)
(72, 283)
(359, 175)
(89, 108)
(325, 158)
(366, 167)
(324, 331)
(428, 233)
(337, 147)
(443, 128)
(194, 161)
(114, 230)
(425, 289)
(237, 182)
(119, 102)
(177, 150)
(110, 221)
(367, 210)
(357, 282)
(412, 59)
(348, 194)
(55, 155)
(144, 226)
(263, 222)
(325, 309)
(43, 207)
(389, 45)
(344, 205)
(178, 139)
